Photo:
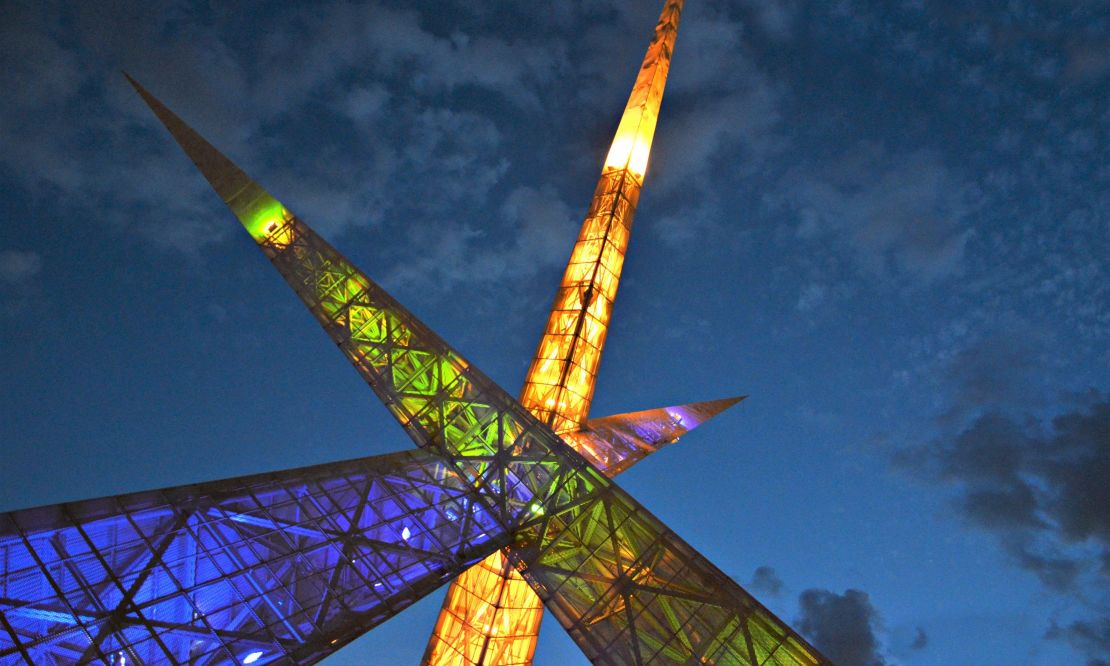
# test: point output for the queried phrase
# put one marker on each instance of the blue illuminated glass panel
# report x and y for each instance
(282, 566)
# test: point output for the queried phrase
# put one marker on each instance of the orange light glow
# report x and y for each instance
(490, 615)
(632, 144)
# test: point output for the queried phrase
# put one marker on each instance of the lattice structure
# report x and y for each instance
(287, 566)
(561, 380)
(560, 383)
(627, 588)
(490, 615)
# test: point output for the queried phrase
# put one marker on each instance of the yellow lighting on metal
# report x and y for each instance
(268, 222)
(632, 144)
(560, 383)
(490, 616)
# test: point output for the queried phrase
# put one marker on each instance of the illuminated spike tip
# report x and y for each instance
(615, 443)
(263, 216)
(560, 383)
(632, 142)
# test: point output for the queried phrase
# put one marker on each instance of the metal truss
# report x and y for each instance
(561, 380)
(475, 625)
(626, 587)
(279, 567)
(490, 614)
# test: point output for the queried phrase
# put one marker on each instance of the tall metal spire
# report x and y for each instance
(114, 578)
(489, 615)
(560, 382)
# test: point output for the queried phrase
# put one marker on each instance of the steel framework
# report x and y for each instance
(287, 567)
(494, 619)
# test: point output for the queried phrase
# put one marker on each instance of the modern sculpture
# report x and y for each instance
(511, 499)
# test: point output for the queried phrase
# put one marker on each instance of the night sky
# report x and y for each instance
(887, 223)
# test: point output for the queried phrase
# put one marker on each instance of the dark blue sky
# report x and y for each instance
(885, 222)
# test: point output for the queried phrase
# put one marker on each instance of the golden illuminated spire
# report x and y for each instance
(560, 382)
(490, 615)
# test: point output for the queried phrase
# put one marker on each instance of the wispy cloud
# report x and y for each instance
(1040, 485)
(900, 215)
(18, 272)
(543, 228)
(19, 266)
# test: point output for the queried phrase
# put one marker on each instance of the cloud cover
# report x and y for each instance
(1031, 470)
(842, 626)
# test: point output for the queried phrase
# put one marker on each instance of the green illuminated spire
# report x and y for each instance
(259, 212)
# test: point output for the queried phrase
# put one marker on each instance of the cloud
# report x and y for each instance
(80, 137)
(19, 266)
(540, 230)
(994, 372)
(337, 38)
(766, 581)
(1039, 483)
(1091, 638)
(689, 226)
(775, 18)
(365, 103)
(812, 295)
(737, 127)
(898, 214)
(1044, 490)
(19, 289)
(74, 145)
(920, 640)
(722, 112)
(842, 626)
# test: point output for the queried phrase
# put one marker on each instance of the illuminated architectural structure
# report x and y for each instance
(560, 383)
(490, 616)
(289, 566)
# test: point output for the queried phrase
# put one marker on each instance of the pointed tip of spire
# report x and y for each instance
(160, 110)
(254, 207)
(713, 407)
(138, 87)
(710, 408)
(134, 84)
(691, 414)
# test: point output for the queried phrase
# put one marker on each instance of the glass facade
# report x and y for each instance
(279, 567)
(560, 383)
